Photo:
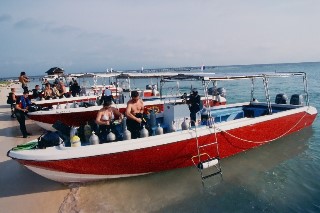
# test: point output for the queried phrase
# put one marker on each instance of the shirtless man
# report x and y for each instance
(134, 113)
(105, 117)
(23, 79)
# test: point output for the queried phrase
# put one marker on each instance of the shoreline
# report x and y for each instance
(22, 190)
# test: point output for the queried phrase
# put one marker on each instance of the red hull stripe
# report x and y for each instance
(178, 154)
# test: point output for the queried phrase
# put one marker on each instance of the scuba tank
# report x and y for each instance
(159, 130)
(153, 121)
(76, 105)
(67, 106)
(185, 124)
(126, 134)
(198, 119)
(144, 132)
(87, 131)
(94, 139)
(58, 106)
(111, 136)
(75, 141)
(172, 127)
(124, 123)
(73, 131)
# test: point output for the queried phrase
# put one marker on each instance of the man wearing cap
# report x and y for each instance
(21, 109)
(194, 105)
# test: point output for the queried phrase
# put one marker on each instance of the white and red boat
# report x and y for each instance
(73, 115)
(78, 116)
(236, 128)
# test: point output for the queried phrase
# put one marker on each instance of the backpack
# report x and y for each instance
(49, 139)
(10, 99)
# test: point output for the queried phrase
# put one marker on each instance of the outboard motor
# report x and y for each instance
(222, 92)
(296, 99)
(281, 98)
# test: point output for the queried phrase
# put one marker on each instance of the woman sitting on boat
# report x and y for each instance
(105, 119)
(48, 92)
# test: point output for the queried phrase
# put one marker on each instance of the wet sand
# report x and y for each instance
(20, 189)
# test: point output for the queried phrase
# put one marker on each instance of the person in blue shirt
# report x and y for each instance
(20, 111)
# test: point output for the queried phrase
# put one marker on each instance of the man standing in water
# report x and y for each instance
(134, 113)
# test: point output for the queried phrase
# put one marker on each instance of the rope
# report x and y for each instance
(249, 141)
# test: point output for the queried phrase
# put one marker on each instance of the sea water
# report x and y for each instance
(282, 176)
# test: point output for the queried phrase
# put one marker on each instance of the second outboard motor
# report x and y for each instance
(281, 98)
(222, 92)
(296, 99)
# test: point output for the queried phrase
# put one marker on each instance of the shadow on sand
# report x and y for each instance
(18, 180)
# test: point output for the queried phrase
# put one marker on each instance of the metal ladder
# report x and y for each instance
(211, 166)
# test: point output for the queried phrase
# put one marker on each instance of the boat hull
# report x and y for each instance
(165, 152)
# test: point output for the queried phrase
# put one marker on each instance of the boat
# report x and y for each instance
(221, 132)
(83, 111)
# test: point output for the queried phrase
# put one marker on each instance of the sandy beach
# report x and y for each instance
(20, 189)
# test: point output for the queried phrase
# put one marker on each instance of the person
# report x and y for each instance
(62, 89)
(12, 99)
(194, 105)
(36, 92)
(23, 79)
(105, 119)
(20, 111)
(134, 113)
(55, 90)
(184, 98)
(107, 95)
(75, 89)
(48, 92)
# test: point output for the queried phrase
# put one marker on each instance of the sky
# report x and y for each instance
(95, 35)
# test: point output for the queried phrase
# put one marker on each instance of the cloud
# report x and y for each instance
(5, 18)
(27, 23)
(61, 29)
